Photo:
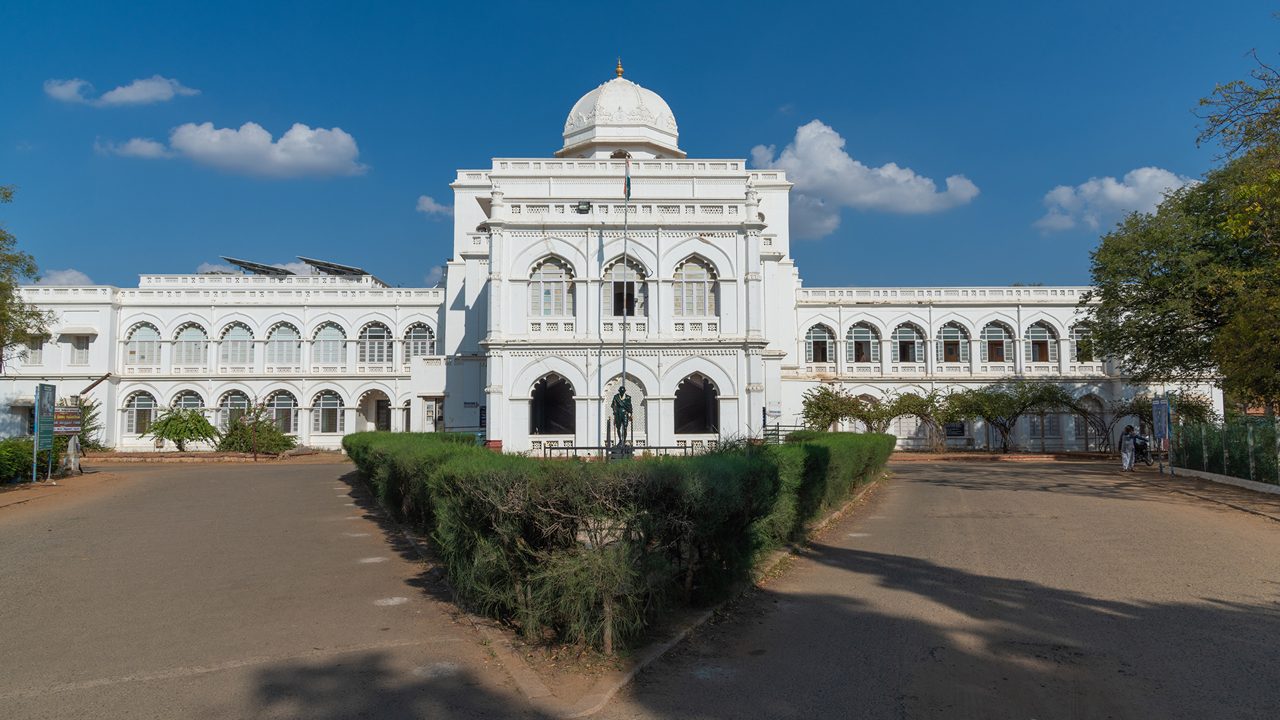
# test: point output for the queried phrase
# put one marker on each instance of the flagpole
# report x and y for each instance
(626, 269)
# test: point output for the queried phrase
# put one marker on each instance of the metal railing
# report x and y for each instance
(1247, 449)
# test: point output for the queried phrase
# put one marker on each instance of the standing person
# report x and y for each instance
(1126, 448)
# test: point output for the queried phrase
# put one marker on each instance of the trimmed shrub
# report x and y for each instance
(255, 434)
(588, 553)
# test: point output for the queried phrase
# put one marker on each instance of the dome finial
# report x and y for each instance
(618, 69)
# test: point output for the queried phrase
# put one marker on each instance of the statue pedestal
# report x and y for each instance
(621, 452)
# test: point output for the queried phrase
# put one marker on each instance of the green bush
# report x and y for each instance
(15, 458)
(250, 434)
(588, 551)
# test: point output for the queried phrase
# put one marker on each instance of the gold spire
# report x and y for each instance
(618, 69)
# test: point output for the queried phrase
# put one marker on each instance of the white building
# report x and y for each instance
(524, 341)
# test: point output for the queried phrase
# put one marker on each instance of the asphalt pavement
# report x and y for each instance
(998, 590)
(229, 591)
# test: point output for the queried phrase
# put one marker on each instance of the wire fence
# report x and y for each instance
(1245, 449)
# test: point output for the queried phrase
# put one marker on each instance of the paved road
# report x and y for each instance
(227, 591)
(999, 591)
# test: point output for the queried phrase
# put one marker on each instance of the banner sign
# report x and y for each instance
(1160, 418)
(45, 401)
(66, 420)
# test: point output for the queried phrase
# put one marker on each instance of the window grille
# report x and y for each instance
(283, 407)
(953, 344)
(284, 345)
(863, 344)
(551, 289)
(187, 400)
(143, 346)
(695, 290)
(329, 347)
(80, 350)
(818, 344)
(1081, 344)
(375, 344)
(419, 341)
(625, 290)
(191, 347)
(231, 408)
(908, 345)
(139, 410)
(327, 413)
(237, 345)
(997, 344)
(1042, 344)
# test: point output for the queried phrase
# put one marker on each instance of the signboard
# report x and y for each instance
(66, 420)
(1160, 418)
(45, 400)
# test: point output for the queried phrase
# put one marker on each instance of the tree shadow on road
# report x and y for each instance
(906, 637)
(370, 685)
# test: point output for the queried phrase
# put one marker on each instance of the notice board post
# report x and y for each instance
(46, 397)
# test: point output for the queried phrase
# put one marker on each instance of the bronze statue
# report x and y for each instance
(621, 407)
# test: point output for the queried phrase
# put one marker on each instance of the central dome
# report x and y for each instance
(620, 115)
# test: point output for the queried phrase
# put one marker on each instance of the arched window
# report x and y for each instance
(374, 344)
(625, 293)
(997, 343)
(1081, 344)
(697, 407)
(143, 346)
(819, 345)
(953, 343)
(231, 408)
(191, 346)
(862, 344)
(139, 411)
(237, 345)
(1090, 427)
(551, 289)
(1042, 344)
(419, 341)
(284, 345)
(695, 289)
(326, 413)
(329, 346)
(551, 407)
(283, 407)
(908, 344)
(188, 400)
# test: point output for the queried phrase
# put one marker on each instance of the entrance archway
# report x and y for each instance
(551, 407)
(375, 410)
(639, 410)
(697, 406)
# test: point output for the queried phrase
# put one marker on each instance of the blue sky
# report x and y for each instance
(1016, 99)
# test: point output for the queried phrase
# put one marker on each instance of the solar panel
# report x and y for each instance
(257, 268)
(329, 268)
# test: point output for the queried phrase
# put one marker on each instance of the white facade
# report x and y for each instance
(526, 333)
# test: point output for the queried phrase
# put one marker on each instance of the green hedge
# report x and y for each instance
(15, 458)
(578, 550)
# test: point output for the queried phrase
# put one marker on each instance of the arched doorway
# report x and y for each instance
(375, 410)
(552, 410)
(697, 407)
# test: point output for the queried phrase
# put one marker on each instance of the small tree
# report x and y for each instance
(932, 409)
(90, 422)
(181, 426)
(256, 432)
(874, 414)
(1001, 406)
(824, 406)
(19, 321)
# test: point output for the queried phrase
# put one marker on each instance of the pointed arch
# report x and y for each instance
(625, 288)
(908, 343)
(191, 345)
(551, 288)
(696, 288)
(552, 410)
(862, 343)
(142, 346)
(819, 344)
(953, 343)
(696, 408)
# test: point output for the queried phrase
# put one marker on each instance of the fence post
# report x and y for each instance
(1249, 426)
(1226, 456)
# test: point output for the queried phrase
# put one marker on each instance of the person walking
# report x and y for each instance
(1126, 448)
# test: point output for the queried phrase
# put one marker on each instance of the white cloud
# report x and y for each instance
(434, 275)
(71, 91)
(208, 267)
(137, 147)
(143, 91)
(297, 268)
(250, 150)
(64, 277)
(827, 179)
(428, 205)
(1105, 200)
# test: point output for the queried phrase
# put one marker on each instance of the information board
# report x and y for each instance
(66, 420)
(1160, 418)
(45, 399)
